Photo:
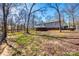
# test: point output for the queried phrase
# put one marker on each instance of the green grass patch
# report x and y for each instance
(15, 33)
(35, 48)
(72, 54)
(24, 39)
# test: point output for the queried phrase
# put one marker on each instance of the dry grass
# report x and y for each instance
(45, 43)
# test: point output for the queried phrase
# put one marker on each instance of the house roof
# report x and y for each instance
(56, 21)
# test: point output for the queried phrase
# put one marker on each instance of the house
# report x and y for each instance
(77, 25)
(51, 25)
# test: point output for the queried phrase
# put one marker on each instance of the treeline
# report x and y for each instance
(21, 17)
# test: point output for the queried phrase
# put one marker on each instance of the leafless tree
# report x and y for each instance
(56, 7)
(72, 10)
(30, 12)
(5, 8)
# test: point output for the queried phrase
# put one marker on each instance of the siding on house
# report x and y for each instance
(54, 24)
(77, 27)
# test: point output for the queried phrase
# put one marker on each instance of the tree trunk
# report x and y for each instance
(29, 17)
(69, 22)
(28, 23)
(73, 22)
(11, 26)
(25, 24)
(59, 21)
(4, 35)
(33, 22)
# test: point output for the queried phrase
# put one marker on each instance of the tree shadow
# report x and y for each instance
(69, 32)
(15, 49)
(59, 38)
(54, 36)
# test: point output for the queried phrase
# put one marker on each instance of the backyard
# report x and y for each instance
(44, 43)
(39, 29)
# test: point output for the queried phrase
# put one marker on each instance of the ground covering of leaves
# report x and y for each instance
(47, 43)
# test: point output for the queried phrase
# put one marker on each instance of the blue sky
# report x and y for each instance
(49, 11)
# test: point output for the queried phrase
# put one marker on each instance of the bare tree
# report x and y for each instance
(71, 10)
(5, 8)
(29, 16)
(33, 21)
(30, 12)
(56, 7)
(23, 16)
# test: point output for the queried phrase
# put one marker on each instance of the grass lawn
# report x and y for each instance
(44, 43)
